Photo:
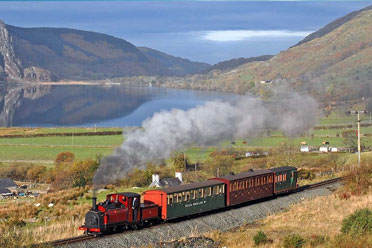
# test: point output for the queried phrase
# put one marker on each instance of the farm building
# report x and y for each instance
(166, 182)
(323, 149)
(305, 148)
(7, 186)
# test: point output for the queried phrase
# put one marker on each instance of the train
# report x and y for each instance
(129, 210)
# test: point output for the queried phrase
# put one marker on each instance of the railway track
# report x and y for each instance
(86, 237)
(69, 240)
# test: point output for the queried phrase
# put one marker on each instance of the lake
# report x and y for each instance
(82, 105)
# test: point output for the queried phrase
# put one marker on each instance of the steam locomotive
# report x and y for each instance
(128, 210)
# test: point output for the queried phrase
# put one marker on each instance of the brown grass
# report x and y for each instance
(318, 217)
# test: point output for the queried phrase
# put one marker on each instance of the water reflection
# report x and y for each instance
(51, 105)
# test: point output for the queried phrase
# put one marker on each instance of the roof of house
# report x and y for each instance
(4, 191)
(169, 182)
(7, 182)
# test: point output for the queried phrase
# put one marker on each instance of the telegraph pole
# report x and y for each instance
(358, 112)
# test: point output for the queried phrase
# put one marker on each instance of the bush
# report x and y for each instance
(306, 174)
(359, 223)
(347, 241)
(13, 239)
(64, 157)
(260, 238)
(359, 180)
(293, 241)
(317, 240)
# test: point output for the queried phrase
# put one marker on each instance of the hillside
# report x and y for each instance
(232, 63)
(333, 64)
(44, 54)
(341, 57)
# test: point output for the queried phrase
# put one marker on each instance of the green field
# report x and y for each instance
(45, 149)
(102, 140)
(33, 131)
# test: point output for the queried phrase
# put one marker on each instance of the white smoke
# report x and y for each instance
(175, 130)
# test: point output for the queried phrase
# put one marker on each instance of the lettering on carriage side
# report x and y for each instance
(195, 204)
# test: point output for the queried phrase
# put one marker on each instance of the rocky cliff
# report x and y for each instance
(9, 64)
(52, 54)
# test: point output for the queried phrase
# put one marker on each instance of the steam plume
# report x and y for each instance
(175, 130)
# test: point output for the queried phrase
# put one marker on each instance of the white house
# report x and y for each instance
(323, 149)
(305, 148)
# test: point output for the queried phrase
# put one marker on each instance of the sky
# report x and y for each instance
(205, 31)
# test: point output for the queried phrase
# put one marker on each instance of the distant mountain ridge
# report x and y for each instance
(48, 54)
(333, 63)
(332, 26)
(233, 63)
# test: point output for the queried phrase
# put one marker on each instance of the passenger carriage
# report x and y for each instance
(285, 179)
(188, 199)
(247, 186)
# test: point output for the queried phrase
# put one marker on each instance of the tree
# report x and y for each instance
(350, 139)
(220, 165)
(36, 172)
(77, 174)
(369, 106)
(64, 157)
(179, 161)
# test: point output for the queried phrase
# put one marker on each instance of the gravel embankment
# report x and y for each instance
(223, 221)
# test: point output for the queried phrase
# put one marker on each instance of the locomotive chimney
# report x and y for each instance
(94, 203)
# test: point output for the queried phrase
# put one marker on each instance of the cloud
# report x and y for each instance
(238, 35)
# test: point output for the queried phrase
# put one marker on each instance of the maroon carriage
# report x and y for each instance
(247, 186)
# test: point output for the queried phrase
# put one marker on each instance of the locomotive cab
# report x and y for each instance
(118, 211)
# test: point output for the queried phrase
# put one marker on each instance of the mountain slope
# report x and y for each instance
(44, 54)
(232, 63)
(341, 57)
(332, 26)
(176, 64)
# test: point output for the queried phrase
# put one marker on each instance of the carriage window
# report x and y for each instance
(209, 191)
(201, 193)
(193, 194)
(285, 177)
(187, 194)
(170, 199)
(246, 184)
(214, 190)
(179, 197)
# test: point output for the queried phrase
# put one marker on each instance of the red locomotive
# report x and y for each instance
(120, 211)
(123, 210)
